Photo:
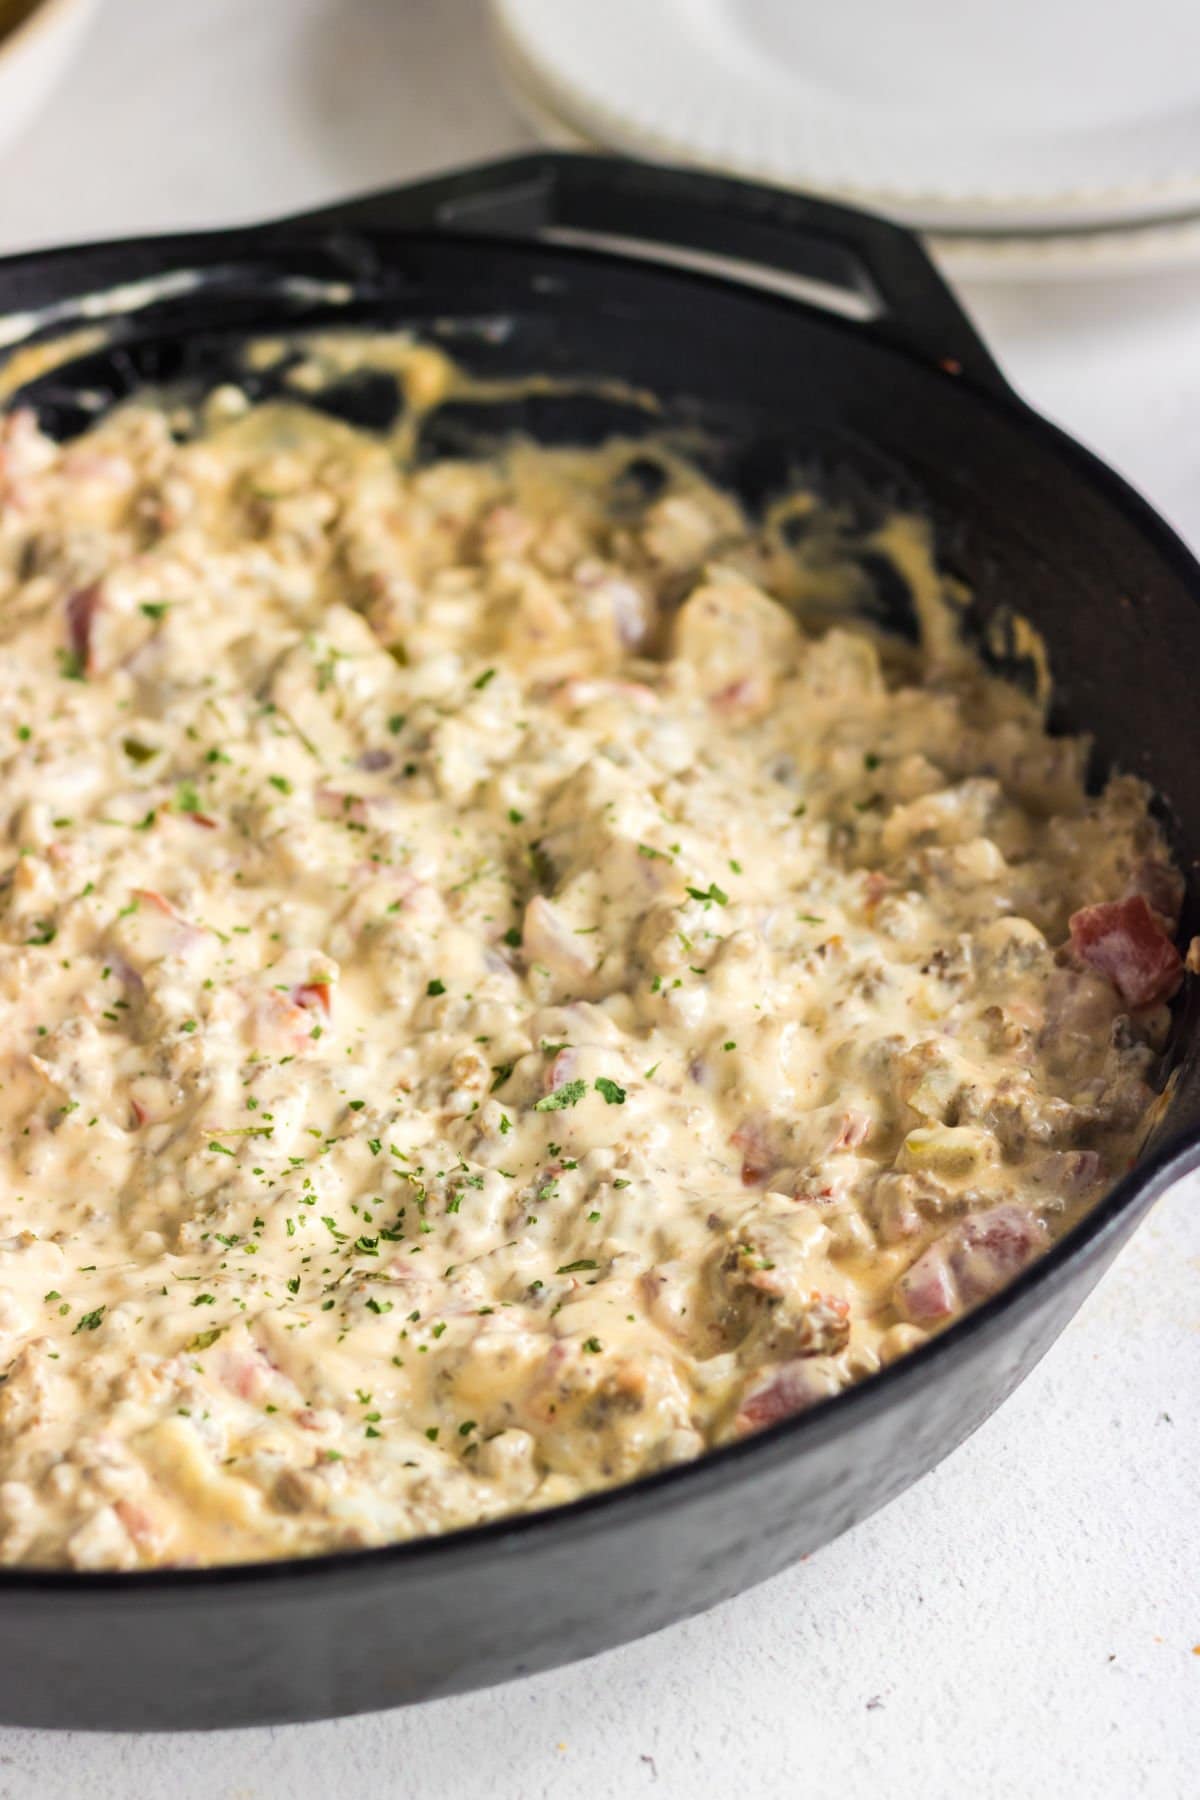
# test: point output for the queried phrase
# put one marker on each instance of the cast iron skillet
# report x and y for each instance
(905, 405)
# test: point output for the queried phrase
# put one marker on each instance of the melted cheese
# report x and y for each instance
(491, 1005)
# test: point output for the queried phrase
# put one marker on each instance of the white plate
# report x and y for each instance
(958, 115)
(33, 56)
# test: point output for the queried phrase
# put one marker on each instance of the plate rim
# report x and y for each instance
(958, 211)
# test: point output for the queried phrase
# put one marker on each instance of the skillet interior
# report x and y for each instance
(1027, 520)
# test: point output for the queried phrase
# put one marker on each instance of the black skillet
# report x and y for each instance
(906, 404)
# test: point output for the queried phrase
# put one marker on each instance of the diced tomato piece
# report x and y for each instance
(159, 901)
(314, 996)
(926, 1293)
(1126, 942)
(757, 1158)
(989, 1249)
(779, 1393)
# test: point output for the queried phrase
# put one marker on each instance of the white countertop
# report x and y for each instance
(1027, 1620)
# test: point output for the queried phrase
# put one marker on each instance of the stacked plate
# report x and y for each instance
(1033, 137)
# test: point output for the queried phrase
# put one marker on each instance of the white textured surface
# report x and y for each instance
(1021, 116)
(1023, 1622)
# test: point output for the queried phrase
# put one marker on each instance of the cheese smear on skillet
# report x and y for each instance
(490, 1005)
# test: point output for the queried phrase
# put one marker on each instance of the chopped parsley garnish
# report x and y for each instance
(155, 609)
(481, 681)
(186, 798)
(570, 1094)
(43, 932)
(613, 1092)
(435, 987)
(708, 895)
(592, 1345)
(281, 782)
(205, 1300)
(576, 1268)
(204, 1340)
(89, 1321)
(621, 1182)
(501, 1073)
(397, 723)
(512, 938)
(515, 817)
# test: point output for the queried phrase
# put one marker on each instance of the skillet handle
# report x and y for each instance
(555, 193)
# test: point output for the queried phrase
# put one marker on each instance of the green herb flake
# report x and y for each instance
(481, 681)
(614, 1093)
(577, 1268)
(204, 1340)
(570, 1094)
(707, 896)
(434, 988)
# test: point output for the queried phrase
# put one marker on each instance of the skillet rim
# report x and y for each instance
(1177, 1156)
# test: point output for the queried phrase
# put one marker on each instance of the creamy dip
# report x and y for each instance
(492, 1004)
